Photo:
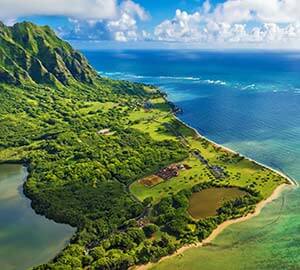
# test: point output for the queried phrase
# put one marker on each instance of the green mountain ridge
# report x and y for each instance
(35, 54)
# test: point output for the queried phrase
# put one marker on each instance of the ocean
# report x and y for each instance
(250, 102)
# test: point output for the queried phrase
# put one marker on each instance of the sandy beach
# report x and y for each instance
(276, 193)
(289, 179)
(223, 226)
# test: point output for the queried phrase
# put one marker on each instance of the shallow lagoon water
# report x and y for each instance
(26, 239)
(249, 102)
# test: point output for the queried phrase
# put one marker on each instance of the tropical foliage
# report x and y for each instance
(83, 145)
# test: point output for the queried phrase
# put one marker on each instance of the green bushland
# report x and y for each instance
(53, 105)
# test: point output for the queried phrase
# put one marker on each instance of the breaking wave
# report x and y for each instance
(161, 80)
(123, 75)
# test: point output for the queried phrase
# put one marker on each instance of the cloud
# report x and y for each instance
(134, 9)
(183, 26)
(266, 11)
(88, 19)
(231, 23)
(123, 27)
(272, 32)
(276, 22)
(78, 9)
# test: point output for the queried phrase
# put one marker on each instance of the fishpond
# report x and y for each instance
(205, 203)
(26, 239)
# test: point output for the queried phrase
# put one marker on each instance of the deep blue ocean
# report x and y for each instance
(249, 102)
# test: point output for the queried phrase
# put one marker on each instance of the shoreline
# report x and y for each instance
(41, 222)
(292, 181)
(259, 207)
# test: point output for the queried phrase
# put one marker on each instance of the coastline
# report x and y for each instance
(31, 226)
(291, 181)
(259, 207)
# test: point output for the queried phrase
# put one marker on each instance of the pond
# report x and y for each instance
(205, 203)
(26, 239)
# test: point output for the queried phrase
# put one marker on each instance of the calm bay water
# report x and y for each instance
(26, 239)
(249, 102)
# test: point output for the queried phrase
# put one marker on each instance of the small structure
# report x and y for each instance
(186, 167)
(105, 131)
(217, 171)
(172, 171)
(168, 173)
(142, 222)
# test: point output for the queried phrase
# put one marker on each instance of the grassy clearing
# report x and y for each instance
(186, 179)
(240, 172)
(90, 107)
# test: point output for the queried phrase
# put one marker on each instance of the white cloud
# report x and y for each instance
(79, 9)
(134, 9)
(89, 19)
(125, 27)
(183, 27)
(122, 27)
(269, 11)
(277, 22)
(273, 33)
(206, 7)
(231, 23)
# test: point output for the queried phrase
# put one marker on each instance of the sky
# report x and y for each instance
(186, 24)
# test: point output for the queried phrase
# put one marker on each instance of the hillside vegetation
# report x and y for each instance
(88, 140)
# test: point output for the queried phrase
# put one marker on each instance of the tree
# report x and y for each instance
(150, 229)
(97, 253)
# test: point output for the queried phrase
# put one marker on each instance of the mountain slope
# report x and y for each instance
(31, 53)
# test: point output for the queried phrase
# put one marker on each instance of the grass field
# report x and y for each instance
(161, 125)
(90, 107)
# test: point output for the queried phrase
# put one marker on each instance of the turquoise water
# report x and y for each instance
(26, 239)
(249, 102)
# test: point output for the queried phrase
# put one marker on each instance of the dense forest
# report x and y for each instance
(54, 110)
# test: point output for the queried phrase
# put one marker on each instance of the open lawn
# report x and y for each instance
(186, 179)
(90, 107)
(240, 172)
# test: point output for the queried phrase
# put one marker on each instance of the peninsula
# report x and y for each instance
(111, 159)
